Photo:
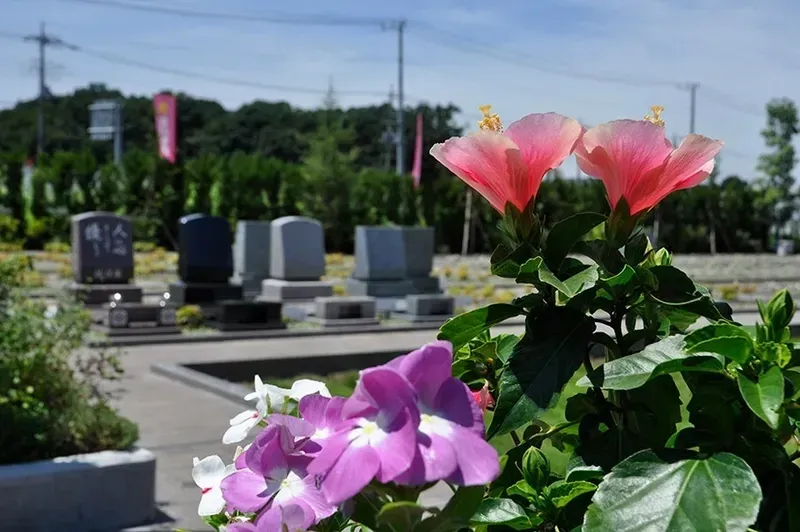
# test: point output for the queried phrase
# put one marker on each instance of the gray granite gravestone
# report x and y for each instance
(427, 308)
(380, 269)
(344, 311)
(420, 245)
(102, 258)
(205, 261)
(297, 261)
(251, 250)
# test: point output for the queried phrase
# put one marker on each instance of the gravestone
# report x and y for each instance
(297, 261)
(205, 261)
(380, 269)
(251, 250)
(342, 311)
(102, 258)
(428, 308)
(420, 246)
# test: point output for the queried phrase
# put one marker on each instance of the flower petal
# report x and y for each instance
(333, 449)
(427, 368)
(382, 388)
(620, 153)
(211, 503)
(299, 428)
(397, 449)
(354, 469)
(237, 433)
(294, 517)
(478, 462)
(434, 460)
(302, 387)
(245, 490)
(312, 408)
(454, 402)
(489, 162)
(545, 140)
(208, 472)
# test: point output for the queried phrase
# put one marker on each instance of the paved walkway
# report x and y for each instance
(178, 422)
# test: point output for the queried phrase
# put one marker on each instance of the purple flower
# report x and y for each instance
(289, 518)
(325, 415)
(451, 444)
(275, 473)
(376, 438)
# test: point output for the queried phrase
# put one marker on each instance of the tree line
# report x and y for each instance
(265, 160)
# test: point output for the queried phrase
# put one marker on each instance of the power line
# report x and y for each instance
(304, 20)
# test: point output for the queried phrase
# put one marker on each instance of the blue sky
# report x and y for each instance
(739, 52)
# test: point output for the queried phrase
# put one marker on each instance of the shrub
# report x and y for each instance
(52, 401)
(729, 292)
(57, 247)
(143, 247)
(190, 317)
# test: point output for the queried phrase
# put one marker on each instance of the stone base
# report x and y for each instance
(345, 307)
(110, 490)
(420, 318)
(399, 288)
(251, 285)
(202, 293)
(222, 326)
(425, 285)
(430, 305)
(99, 294)
(332, 323)
(138, 329)
(280, 290)
(258, 313)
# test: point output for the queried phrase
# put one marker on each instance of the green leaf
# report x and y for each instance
(400, 516)
(764, 396)
(522, 489)
(501, 512)
(578, 406)
(602, 253)
(578, 470)
(716, 330)
(645, 493)
(529, 271)
(636, 248)
(734, 348)
(674, 286)
(566, 233)
(571, 287)
(780, 310)
(615, 282)
(505, 262)
(457, 513)
(529, 301)
(462, 328)
(546, 357)
(562, 492)
(661, 358)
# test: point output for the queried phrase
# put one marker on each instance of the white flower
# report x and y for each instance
(242, 424)
(207, 474)
(273, 396)
(303, 387)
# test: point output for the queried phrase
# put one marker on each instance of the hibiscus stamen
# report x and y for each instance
(655, 118)
(490, 121)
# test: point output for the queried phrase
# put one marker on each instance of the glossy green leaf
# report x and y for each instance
(764, 396)
(636, 248)
(566, 233)
(505, 262)
(572, 286)
(563, 492)
(661, 358)
(645, 493)
(602, 253)
(529, 271)
(464, 327)
(619, 280)
(734, 348)
(522, 489)
(577, 469)
(399, 516)
(715, 330)
(543, 361)
(502, 512)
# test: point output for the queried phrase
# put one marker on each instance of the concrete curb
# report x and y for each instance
(202, 381)
(156, 339)
(96, 492)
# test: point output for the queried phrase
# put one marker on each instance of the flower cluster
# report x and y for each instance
(633, 158)
(408, 422)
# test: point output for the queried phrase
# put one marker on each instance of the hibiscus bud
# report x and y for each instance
(535, 468)
(483, 397)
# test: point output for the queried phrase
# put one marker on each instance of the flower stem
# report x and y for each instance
(515, 437)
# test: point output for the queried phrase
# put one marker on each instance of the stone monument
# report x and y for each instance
(427, 308)
(205, 261)
(297, 261)
(102, 258)
(251, 256)
(343, 311)
(380, 263)
(420, 247)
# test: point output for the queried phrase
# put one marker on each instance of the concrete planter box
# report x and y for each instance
(98, 492)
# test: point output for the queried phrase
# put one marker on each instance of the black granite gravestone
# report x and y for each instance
(102, 248)
(205, 254)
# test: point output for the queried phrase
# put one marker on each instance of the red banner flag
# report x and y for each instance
(165, 110)
(416, 170)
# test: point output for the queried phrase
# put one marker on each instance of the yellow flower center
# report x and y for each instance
(490, 121)
(655, 118)
(369, 428)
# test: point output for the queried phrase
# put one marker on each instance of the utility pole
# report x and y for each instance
(692, 104)
(400, 26)
(44, 41)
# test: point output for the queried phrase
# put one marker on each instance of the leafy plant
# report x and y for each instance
(190, 317)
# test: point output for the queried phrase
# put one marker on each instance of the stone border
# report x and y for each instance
(108, 490)
(229, 372)
(222, 336)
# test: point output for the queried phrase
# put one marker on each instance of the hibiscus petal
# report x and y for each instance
(545, 141)
(620, 153)
(355, 469)
(207, 472)
(427, 368)
(478, 462)
(488, 162)
(245, 490)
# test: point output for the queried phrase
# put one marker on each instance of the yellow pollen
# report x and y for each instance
(369, 428)
(655, 118)
(426, 418)
(490, 121)
(285, 483)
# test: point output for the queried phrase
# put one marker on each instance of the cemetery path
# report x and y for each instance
(178, 422)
